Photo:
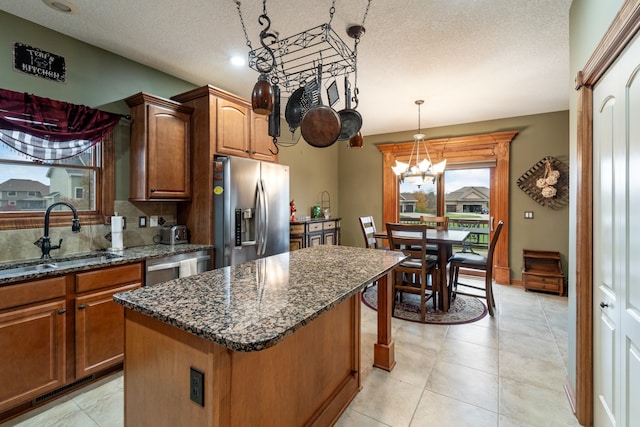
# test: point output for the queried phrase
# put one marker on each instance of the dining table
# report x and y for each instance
(444, 239)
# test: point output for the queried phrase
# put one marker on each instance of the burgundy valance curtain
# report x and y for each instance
(47, 129)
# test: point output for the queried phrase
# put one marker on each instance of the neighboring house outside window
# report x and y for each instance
(23, 195)
(407, 203)
(468, 200)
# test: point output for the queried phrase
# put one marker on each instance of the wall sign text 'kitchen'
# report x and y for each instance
(37, 62)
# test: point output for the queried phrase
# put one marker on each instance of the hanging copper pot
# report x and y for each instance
(262, 96)
(356, 141)
(320, 125)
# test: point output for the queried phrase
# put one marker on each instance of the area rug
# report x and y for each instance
(464, 309)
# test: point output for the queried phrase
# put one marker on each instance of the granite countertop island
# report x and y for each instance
(274, 341)
(255, 305)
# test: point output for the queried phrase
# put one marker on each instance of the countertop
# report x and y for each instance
(304, 221)
(125, 256)
(255, 305)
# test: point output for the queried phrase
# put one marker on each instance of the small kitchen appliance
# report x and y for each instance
(173, 234)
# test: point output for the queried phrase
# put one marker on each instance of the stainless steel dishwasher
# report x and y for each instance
(166, 268)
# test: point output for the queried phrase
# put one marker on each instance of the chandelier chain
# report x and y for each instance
(244, 28)
(332, 10)
(366, 12)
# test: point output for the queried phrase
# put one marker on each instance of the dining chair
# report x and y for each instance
(412, 274)
(435, 223)
(479, 262)
(368, 227)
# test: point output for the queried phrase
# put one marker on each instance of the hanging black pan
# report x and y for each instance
(351, 120)
(294, 110)
(320, 125)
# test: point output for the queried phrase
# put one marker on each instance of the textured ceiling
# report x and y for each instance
(470, 60)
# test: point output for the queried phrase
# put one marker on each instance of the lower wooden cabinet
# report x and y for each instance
(56, 331)
(303, 234)
(32, 352)
(99, 331)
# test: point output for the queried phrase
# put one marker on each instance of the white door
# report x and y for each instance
(616, 185)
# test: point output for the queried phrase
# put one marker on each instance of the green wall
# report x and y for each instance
(95, 77)
(312, 172)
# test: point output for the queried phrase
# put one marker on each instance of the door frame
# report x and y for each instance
(622, 30)
(483, 150)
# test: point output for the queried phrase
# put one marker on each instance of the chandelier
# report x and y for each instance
(423, 170)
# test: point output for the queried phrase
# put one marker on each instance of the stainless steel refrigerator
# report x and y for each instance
(250, 208)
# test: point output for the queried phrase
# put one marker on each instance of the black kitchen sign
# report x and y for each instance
(37, 62)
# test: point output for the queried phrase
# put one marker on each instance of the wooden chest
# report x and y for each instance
(542, 271)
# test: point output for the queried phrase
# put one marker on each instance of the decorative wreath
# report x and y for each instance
(547, 182)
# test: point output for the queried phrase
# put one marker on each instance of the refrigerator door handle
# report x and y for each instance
(259, 218)
(265, 217)
(261, 209)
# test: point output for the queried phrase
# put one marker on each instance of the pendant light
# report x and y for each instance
(421, 171)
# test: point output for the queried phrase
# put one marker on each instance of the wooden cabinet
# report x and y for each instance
(241, 132)
(542, 271)
(160, 149)
(233, 125)
(303, 234)
(32, 340)
(223, 123)
(99, 322)
(261, 142)
(58, 330)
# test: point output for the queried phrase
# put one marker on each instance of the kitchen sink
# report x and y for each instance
(53, 265)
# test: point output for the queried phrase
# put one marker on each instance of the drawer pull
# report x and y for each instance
(62, 311)
(82, 307)
(603, 304)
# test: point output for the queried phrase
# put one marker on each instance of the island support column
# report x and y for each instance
(384, 349)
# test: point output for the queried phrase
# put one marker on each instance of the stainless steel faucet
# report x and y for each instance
(45, 242)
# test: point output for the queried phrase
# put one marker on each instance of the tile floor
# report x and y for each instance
(504, 371)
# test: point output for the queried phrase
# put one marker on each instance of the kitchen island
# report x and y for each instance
(277, 340)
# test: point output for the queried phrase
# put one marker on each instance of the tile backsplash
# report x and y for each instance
(18, 244)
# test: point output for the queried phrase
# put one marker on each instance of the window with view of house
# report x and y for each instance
(34, 186)
(53, 151)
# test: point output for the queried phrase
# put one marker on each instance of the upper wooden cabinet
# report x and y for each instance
(233, 126)
(261, 142)
(160, 149)
(228, 125)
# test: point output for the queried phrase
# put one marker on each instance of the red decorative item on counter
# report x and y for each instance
(292, 205)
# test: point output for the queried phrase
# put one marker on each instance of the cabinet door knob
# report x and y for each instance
(153, 190)
(62, 311)
(82, 307)
(603, 304)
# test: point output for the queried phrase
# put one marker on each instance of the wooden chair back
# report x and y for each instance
(435, 222)
(411, 239)
(368, 227)
(471, 260)
(411, 275)
(492, 249)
